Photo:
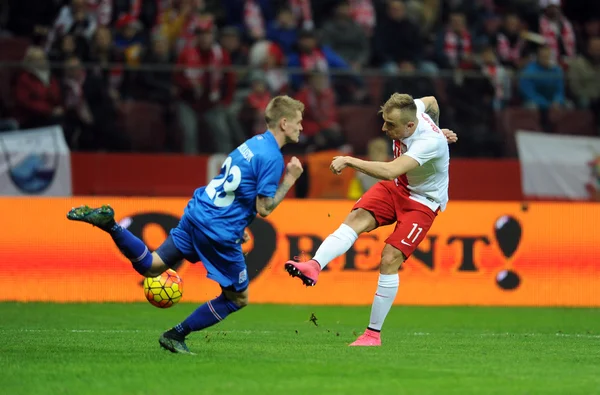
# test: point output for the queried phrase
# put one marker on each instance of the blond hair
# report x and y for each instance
(282, 107)
(403, 102)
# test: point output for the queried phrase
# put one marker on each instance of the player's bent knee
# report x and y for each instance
(391, 260)
(239, 298)
(241, 301)
(158, 266)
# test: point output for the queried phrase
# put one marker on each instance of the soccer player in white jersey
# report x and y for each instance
(414, 188)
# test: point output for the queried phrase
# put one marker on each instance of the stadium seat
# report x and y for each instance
(13, 48)
(375, 86)
(573, 122)
(143, 123)
(517, 118)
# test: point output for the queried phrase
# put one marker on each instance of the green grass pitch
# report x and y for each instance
(263, 349)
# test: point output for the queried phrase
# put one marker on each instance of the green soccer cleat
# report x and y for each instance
(103, 217)
(174, 343)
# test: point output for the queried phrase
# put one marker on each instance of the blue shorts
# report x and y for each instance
(225, 265)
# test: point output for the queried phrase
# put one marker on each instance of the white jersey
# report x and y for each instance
(428, 183)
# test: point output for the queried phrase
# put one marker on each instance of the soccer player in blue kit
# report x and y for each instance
(213, 225)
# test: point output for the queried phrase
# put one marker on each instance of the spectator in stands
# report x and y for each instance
(510, 45)
(558, 31)
(283, 30)
(156, 82)
(129, 40)
(250, 16)
(584, 78)
(397, 39)
(91, 110)
(175, 19)
(346, 37)
(268, 56)
(321, 128)
(78, 116)
(363, 13)
(591, 29)
(425, 13)
(472, 98)
(206, 93)
(66, 47)
(488, 32)
(146, 12)
(417, 85)
(199, 18)
(73, 19)
(102, 54)
(474, 11)
(497, 76)
(542, 82)
(103, 11)
(311, 56)
(253, 111)
(231, 42)
(455, 44)
(37, 95)
(302, 13)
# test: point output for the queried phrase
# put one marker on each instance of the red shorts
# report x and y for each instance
(389, 203)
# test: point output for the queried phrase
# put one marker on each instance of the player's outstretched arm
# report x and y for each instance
(432, 108)
(265, 205)
(381, 170)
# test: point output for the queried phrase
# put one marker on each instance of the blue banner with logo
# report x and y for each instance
(35, 162)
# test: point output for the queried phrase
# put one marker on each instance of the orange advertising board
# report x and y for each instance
(476, 253)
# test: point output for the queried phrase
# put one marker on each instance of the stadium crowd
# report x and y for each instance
(209, 67)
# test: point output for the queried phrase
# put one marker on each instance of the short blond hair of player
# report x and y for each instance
(282, 108)
(413, 188)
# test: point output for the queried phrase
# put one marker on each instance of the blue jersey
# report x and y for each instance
(227, 205)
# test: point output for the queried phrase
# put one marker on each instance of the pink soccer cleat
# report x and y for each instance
(368, 339)
(308, 271)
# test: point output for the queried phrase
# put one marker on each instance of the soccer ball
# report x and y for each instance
(165, 290)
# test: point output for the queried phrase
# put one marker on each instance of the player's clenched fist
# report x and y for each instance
(451, 137)
(294, 167)
(339, 163)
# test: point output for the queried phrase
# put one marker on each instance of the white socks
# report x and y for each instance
(335, 245)
(384, 297)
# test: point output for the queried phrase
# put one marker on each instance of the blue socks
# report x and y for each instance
(133, 248)
(207, 315)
